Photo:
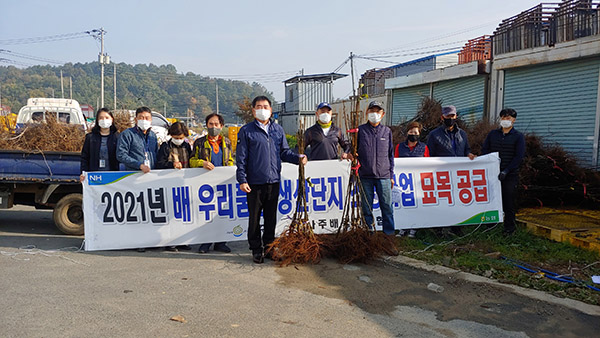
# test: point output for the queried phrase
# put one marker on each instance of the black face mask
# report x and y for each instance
(448, 122)
(412, 138)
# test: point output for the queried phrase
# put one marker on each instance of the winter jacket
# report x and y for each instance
(419, 150)
(202, 151)
(444, 143)
(259, 155)
(375, 151)
(321, 147)
(510, 146)
(164, 159)
(90, 153)
(133, 144)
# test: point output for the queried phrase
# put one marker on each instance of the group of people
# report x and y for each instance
(262, 146)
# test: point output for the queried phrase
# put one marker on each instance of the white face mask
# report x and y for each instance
(177, 142)
(325, 118)
(263, 114)
(374, 118)
(505, 123)
(144, 124)
(105, 123)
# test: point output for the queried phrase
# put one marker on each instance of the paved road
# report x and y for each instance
(51, 290)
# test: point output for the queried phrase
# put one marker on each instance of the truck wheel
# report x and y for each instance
(68, 214)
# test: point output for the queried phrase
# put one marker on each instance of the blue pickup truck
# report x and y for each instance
(45, 180)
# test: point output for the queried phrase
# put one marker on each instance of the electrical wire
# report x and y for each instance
(49, 38)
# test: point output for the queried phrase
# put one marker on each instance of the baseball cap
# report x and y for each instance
(323, 105)
(449, 110)
(373, 104)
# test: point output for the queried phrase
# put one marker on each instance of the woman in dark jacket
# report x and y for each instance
(176, 152)
(99, 151)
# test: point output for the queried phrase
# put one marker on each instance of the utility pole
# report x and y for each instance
(352, 73)
(114, 87)
(104, 60)
(71, 87)
(217, 86)
(62, 88)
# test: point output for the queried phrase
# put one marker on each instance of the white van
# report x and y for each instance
(64, 110)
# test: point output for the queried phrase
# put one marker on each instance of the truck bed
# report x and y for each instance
(40, 167)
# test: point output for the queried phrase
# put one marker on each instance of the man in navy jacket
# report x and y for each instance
(260, 149)
(448, 140)
(376, 157)
(510, 145)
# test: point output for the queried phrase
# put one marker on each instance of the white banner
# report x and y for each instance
(190, 206)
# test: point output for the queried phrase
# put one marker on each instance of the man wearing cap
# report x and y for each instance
(448, 140)
(322, 139)
(510, 144)
(376, 157)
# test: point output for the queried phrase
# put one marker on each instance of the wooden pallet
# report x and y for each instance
(587, 238)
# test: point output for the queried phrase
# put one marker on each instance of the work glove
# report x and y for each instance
(502, 175)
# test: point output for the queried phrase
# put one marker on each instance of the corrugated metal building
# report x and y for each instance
(302, 95)
(463, 86)
(549, 74)
(374, 79)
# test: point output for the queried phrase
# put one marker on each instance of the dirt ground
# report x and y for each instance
(381, 288)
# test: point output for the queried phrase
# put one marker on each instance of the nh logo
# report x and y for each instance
(95, 178)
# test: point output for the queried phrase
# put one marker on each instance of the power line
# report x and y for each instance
(31, 57)
(49, 38)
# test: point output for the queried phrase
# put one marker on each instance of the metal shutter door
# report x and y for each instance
(406, 102)
(557, 102)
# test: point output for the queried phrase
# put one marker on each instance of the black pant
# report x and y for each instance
(509, 192)
(262, 197)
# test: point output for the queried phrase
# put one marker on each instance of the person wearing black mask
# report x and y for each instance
(510, 145)
(448, 140)
(412, 147)
(210, 151)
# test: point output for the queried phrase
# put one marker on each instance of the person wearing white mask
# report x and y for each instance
(510, 145)
(99, 152)
(176, 153)
(137, 146)
(322, 139)
(375, 151)
(261, 147)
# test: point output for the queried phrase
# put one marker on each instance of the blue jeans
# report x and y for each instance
(383, 186)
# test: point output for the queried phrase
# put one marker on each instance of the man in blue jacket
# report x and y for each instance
(510, 145)
(260, 149)
(376, 157)
(137, 146)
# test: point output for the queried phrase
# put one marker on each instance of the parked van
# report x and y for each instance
(38, 109)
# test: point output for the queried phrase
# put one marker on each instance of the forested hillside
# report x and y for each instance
(149, 85)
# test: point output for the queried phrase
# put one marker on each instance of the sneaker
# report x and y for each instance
(401, 233)
(222, 247)
(184, 247)
(412, 233)
(171, 248)
(141, 249)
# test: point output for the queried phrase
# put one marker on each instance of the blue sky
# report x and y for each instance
(263, 41)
